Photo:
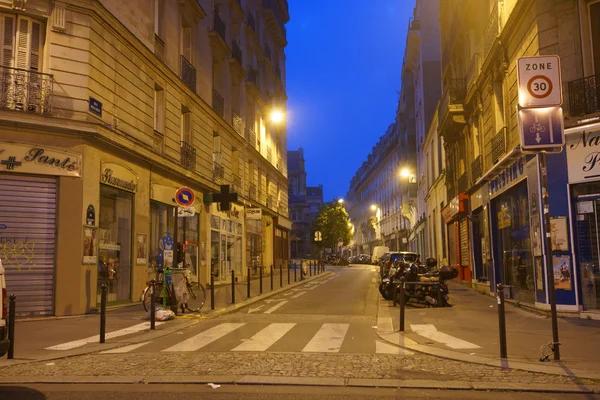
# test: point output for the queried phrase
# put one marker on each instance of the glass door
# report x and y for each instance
(588, 219)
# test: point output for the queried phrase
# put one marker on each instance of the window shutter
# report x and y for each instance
(6, 52)
(23, 41)
(36, 41)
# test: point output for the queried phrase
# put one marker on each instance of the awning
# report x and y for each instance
(497, 169)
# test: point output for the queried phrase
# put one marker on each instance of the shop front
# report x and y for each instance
(281, 248)
(226, 242)
(483, 267)
(457, 228)
(29, 179)
(255, 240)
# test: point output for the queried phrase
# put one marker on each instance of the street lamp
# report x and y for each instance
(277, 116)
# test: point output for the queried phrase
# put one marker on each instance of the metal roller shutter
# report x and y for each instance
(27, 240)
(464, 242)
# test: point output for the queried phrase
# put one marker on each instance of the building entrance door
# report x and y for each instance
(588, 242)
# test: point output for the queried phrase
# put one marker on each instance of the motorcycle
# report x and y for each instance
(385, 287)
(434, 283)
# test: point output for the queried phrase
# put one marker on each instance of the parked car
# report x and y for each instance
(392, 256)
(378, 251)
(3, 313)
(363, 259)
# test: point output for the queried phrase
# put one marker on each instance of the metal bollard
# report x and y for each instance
(12, 306)
(261, 276)
(394, 291)
(152, 305)
(310, 268)
(440, 297)
(289, 272)
(501, 320)
(248, 283)
(271, 268)
(232, 287)
(301, 272)
(295, 268)
(280, 275)
(103, 313)
(212, 291)
(402, 301)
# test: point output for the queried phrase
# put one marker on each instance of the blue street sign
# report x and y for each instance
(541, 128)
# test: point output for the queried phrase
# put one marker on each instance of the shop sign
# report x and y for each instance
(32, 159)
(234, 213)
(119, 176)
(583, 156)
(253, 213)
(504, 218)
(508, 177)
(455, 206)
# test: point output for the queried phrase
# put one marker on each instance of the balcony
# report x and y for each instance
(236, 67)
(252, 82)
(275, 21)
(476, 169)
(218, 171)
(490, 34)
(473, 72)
(269, 154)
(498, 145)
(283, 207)
(251, 136)
(271, 203)
(451, 114)
(218, 104)
(584, 96)
(217, 37)
(463, 183)
(252, 192)
(236, 183)
(27, 91)
(188, 74)
(236, 122)
(188, 156)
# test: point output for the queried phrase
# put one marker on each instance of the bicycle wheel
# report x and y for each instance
(197, 292)
(147, 298)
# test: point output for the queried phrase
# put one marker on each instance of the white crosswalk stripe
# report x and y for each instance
(265, 338)
(328, 339)
(204, 338)
(430, 331)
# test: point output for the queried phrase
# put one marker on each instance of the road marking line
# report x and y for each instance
(275, 307)
(297, 295)
(204, 338)
(430, 331)
(265, 338)
(328, 339)
(124, 349)
(96, 339)
(382, 347)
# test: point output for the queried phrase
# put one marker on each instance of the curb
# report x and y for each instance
(395, 338)
(305, 381)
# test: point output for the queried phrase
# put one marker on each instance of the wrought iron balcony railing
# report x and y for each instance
(283, 207)
(188, 73)
(272, 5)
(271, 203)
(236, 51)
(236, 122)
(27, 91)
(218, 170)
(253, 76)
(219, 26)
(188, 156)
(584, 96)
(269, 154)
(476, 168)
(251, 135)
(498, 145)
(491, 31)
(252, 192)
(236, 183)
(250, 20)
(463, 183)
(473, 71)
(218, 103)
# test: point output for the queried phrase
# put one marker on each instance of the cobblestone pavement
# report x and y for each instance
(315, 365)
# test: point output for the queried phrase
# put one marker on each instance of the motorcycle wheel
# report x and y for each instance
(385, 291)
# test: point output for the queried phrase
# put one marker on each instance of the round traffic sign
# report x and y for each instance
(539, 86)
(185, 197)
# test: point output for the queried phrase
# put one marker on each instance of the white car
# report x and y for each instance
(3, 313)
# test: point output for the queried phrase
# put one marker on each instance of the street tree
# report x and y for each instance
(332, 222)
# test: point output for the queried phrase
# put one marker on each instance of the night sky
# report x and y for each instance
(343, 77)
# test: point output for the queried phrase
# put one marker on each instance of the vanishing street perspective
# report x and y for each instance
(252, 199)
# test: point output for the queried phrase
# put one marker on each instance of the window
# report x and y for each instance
(22, 42)
(159, 25)
(186, 125)
(186, 42)
(159, 109)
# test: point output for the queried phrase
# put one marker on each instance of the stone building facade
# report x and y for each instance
(107, 109)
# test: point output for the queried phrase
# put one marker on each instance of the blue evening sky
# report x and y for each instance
(343, 76)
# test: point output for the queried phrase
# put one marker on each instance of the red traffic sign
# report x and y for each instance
(185, 197)
(539, 81)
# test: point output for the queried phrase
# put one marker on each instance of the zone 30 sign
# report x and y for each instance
(539, 81)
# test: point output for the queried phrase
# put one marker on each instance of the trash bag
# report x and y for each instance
(164, 315)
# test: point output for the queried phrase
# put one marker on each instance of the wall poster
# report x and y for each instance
(558, 230)
(142, 249)
(539, 273)
(562, 272)
(90, 248)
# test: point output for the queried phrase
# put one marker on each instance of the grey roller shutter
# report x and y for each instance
(27, 240)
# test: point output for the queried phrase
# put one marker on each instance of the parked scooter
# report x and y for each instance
(434, 283)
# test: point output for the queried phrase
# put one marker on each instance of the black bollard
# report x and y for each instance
(295, 268)
(394, 292)
(280, 275)
(288, 272)
(501, 321)
(248, 283)
(440, 296)
(212, 291)
(301, 271)
(152, 305)
(310, 268)
(271, 268)
(232, 287)
(402, 301)
(12, 300)
(103, 313)
(261, 276)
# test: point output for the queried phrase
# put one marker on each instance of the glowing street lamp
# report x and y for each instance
(277, 116)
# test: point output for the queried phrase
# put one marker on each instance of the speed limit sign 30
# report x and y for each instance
(539, 81)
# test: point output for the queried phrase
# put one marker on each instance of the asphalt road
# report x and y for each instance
(185, 392)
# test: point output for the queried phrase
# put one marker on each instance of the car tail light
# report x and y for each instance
(4, 304)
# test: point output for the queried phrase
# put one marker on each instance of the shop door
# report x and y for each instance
(27, 234)
(588, 221)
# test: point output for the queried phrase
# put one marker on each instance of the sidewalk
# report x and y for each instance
(34, 335)
(468, 331)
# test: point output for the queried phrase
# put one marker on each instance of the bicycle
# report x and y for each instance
(194, 289)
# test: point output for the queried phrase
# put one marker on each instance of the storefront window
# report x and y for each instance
(514, 244)
(226, 247)
(254, 244)
(114, 243)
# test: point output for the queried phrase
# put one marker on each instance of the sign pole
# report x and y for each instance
(549, 266)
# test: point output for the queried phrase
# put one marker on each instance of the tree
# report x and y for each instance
(332, 222)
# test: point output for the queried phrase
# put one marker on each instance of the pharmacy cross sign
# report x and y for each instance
(224, 198)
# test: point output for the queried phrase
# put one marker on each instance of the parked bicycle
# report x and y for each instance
(194, 289)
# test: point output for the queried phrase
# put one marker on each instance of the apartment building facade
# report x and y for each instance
(107, 109)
